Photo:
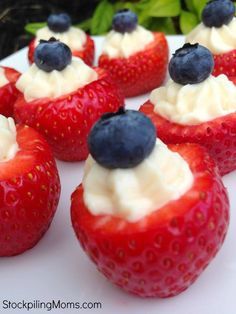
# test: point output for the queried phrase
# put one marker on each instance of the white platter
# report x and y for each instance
(57, 268)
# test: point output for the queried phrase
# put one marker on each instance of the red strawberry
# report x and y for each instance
(163, 254)
(66, 121)
(233, 79)
(225, 64)
(142, 71)
(218, 135)
(30, 189)
(87, 54)
(8, 92)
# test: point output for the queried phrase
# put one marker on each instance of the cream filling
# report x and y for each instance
(8, 143)
(36, 83)
(119, 45)
(75, 38)
(135, 193)
(196, 103)
(217, 40)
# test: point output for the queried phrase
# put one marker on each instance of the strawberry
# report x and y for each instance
(30, 189)
(165, 252)
(233, 79)
(142, 71)
(87, 54)
(65, 121)
(218, 135)
(8, 92)
(225, 64)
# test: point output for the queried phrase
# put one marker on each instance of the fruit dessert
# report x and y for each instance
(217, 32)
(62, 97)
(59, 26)
(196, 107)
(136, 58)
(8, 91)
(30, 187)
(151, 217)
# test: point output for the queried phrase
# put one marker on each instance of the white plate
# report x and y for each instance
(57, 268)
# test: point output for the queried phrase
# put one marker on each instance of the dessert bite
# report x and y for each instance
(150, 216)
(136, 58)
(8, 91)
(217, 32)
(30, 187)
(59, 26)
(196, 107)
(62, 97)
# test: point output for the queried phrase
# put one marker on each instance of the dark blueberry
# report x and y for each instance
(218, 12)
(122, 139)
(59, 23)
(52, 55)
(124, 21)
(191, 64)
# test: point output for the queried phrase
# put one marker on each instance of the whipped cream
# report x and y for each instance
(36, 83)
(217, 40)
(134, 193)
(75, 38)
(3, 78)
(8, 143)
(119, 45)
(196, 103)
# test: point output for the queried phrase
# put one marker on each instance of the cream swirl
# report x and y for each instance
(36, 83)
(134, 193)
(75, 38)
(196, 103)
(3, 78)
(119, 45)
(217, 39)
(8, 143)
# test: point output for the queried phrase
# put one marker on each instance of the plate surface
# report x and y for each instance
(57, 268)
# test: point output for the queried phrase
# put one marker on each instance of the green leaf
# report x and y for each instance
(190, 5)
(32, 28)
(188, 21)
(165, 25)
(143, 18)
(143, 5)
(164, 8)
(125, 5)
(199, 5)
(118, 6)
(102, 18)
(85, 25)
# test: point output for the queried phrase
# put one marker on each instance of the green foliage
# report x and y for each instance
(169, 16)
(188, 21)
(102, 18)
(32, 28)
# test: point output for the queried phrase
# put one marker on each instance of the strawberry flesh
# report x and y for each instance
(8, 92)
(66, 121)
(30, 190)
(164, 253)
(142, 71)
(225, 64)
(218, 136)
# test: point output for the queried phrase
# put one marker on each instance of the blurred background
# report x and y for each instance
(20, 19)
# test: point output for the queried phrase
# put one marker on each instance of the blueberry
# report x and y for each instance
(124, 21)
(52, 55)
(122, 139)
(218, 12)
(191, 64)
(59, 23)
